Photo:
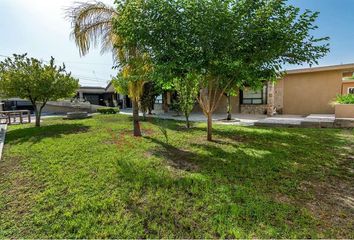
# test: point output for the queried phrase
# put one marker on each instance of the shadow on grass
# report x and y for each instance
(36, 134)
(178, 158)
(279, 156)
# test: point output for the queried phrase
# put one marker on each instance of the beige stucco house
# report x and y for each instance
(301, 92)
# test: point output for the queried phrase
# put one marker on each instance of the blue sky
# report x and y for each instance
(38, 27)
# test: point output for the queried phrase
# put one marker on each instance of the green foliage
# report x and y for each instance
(120, 84)
(224, 39)
(150, 92)
(187, 89)
(175, 106)
(91, 179)
(108, 110)
(31, 79)
(38, 82)
(162, 126)
(345, 99)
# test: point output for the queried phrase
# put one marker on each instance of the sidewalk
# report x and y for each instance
(313, 120)
(3, 128)
(240, 119)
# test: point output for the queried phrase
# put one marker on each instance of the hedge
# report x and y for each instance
(108, 110)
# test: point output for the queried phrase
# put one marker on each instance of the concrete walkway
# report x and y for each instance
(3, 128)
(240, 119)
(313, 120)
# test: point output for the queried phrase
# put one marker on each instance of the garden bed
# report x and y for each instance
(344, 110)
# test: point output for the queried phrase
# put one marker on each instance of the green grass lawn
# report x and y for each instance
(92, 179)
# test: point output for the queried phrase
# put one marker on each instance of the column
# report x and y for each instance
(81, 96)
(270, 98)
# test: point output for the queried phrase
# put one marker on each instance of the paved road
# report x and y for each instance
(2, 137)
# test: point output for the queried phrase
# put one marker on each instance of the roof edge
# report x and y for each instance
(349, 66)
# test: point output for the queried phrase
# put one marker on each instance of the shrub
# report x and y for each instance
(345, 99)
(108, 110)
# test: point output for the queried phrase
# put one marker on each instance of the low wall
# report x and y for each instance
(253, 109)
(62, 107)
(344, 110)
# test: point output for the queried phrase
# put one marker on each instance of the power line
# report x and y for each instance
(91, 78)
(74, 62)
(82, 77)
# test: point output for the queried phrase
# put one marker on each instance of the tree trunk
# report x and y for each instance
(38, 116)
(187, 120)
(137, 132)
(210, 127)
(144, 115)
(164, 102)
(229, 108)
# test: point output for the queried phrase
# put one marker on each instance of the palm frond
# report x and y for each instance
(92, 24)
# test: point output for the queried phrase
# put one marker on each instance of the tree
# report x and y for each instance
(231, 92)
(31, 79)
(134, 90)
(93, 23)
(150, 92)
(217, 39)
(187, 89)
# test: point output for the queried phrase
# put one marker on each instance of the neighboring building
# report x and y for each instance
(103, 96)
(94, 95)
(16, 104)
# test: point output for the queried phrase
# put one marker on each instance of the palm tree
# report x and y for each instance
(92, 24)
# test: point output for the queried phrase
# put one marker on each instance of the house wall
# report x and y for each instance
(235, 103)
(312, 92)
(222, 107)
(300, 93)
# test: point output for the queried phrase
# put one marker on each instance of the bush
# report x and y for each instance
(345, 99)
(108, 110)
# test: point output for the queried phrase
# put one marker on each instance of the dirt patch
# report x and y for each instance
(224, 139)
(240, 138)
(148, 154)
(178, 158)
(121, 139)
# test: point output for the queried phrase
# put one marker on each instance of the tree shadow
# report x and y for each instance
(36, 134)
(181, 159)
(281, 157)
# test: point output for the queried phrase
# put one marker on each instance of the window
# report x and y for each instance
(158, 99)
(254, 97)
(351, 90)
